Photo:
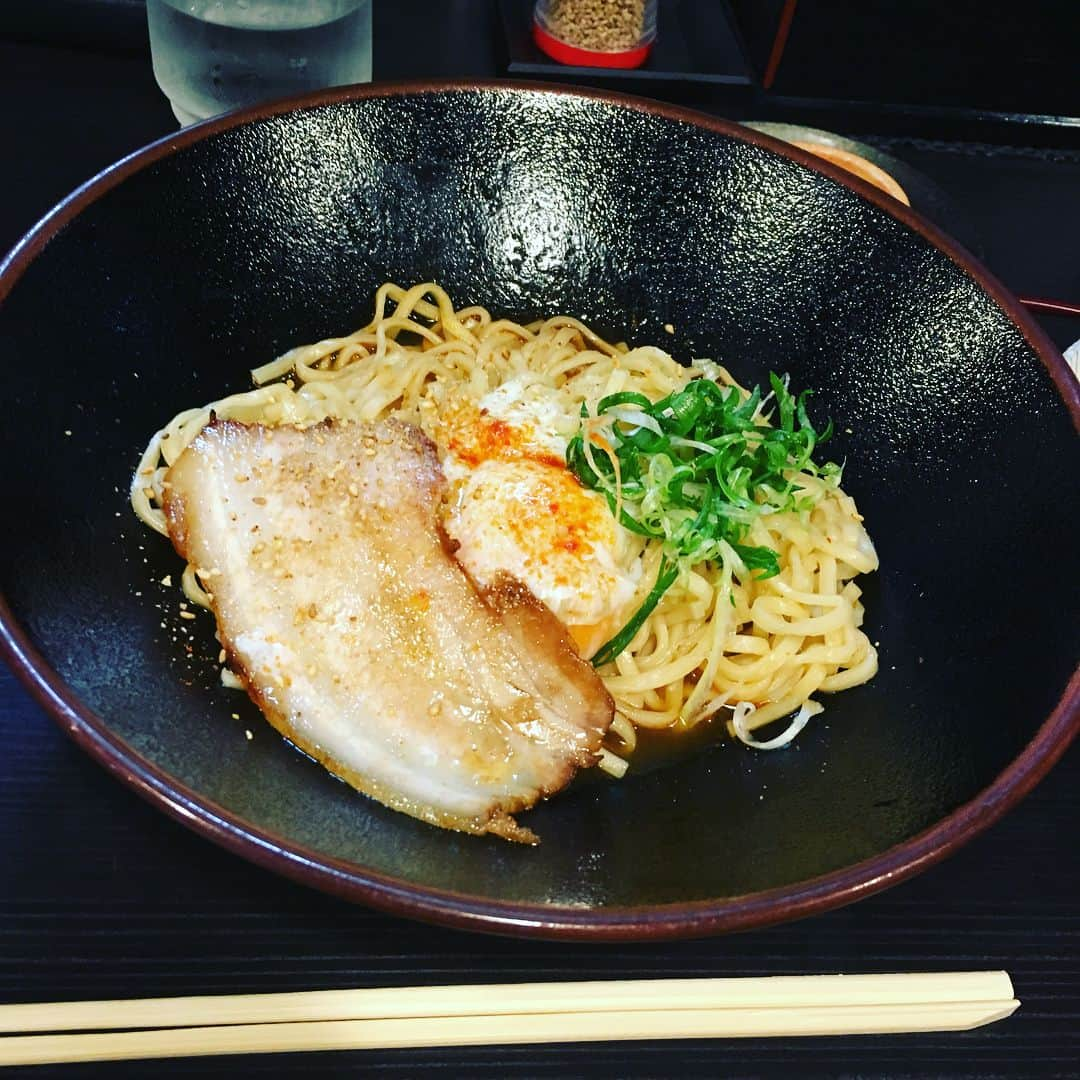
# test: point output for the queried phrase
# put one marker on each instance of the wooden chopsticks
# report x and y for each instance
(502, 1014)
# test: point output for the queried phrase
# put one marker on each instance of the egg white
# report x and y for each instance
(514, 507)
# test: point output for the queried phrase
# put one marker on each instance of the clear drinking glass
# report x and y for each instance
(211, 56)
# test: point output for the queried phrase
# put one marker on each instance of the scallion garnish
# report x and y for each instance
(693, 470)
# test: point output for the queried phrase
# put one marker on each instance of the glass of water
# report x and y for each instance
(211, 56)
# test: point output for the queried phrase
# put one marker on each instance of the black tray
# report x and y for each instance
(694, 43)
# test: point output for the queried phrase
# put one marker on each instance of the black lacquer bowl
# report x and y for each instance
(164, 280)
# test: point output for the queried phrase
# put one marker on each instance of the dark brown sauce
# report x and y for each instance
(658, 748)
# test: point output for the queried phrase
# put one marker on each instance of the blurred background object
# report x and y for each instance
(600, 33)
(692, 43)
(852, 156)
(991, 70)
(211, 56)
(994, 55)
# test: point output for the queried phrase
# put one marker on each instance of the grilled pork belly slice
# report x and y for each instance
(360, 637)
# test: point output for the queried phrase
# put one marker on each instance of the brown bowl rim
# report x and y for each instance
(465, 911)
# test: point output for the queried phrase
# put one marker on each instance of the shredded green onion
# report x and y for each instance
(694, 470)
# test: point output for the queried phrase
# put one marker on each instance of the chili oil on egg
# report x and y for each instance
(514, 507)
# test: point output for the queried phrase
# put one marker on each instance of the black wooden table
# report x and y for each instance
(101, 896)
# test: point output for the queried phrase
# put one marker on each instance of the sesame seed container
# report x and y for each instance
(595, 33)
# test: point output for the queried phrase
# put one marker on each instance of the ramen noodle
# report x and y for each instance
(534, 489)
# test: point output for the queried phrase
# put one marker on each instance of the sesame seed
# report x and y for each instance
(167, 580)
(248, 735)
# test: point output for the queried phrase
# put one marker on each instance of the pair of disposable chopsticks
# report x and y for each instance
(417, 1016)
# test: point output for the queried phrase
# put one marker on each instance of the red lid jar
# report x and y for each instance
(595, 33)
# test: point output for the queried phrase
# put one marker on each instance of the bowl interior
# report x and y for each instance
(164, 291)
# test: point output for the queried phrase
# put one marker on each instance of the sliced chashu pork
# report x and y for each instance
(361, 638)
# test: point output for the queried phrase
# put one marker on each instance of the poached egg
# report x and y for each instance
(514, 507)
